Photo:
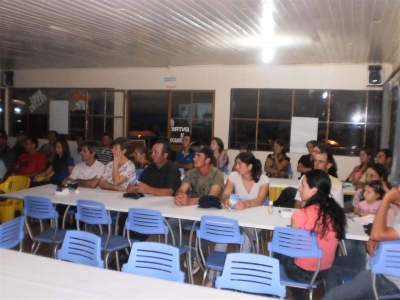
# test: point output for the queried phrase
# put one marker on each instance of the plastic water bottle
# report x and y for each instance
(271, 207)
(233, 199)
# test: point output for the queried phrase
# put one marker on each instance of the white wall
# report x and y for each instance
(219, 78)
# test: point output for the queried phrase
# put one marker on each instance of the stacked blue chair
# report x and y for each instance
(218, 230)
(94, 213)
(295, 242)
(251, 273)
(41, 208)
(154, 260)
(148, 221)
(12, 233)
(386, 261)
(82, 248)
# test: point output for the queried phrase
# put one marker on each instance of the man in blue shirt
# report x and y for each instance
(184, 158)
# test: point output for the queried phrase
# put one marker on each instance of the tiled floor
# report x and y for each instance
(44, 250)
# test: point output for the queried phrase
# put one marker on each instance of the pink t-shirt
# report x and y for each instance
(306, 218)
(370, 208)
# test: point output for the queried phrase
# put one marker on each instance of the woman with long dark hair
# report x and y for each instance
(217, 145)
(62, 164)
(277, 163)
(321, 215)
(251, 186)
(366, 159)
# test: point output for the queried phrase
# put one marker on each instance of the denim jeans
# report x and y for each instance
(354, 247)
(358, 288)
(298, 274)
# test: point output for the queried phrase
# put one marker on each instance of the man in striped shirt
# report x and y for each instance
(105, 154)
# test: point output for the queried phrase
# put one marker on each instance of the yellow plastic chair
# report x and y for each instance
(8, 207)
(45, 178)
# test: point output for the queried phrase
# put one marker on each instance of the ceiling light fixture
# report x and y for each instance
(267, 31)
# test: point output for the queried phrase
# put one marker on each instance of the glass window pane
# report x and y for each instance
(109, 104)
(348, 136)
(322, 128)
(29, 111)
(374, 106)
(180, 105)
(242, 131)
(268, 132)
(77, 103)
(348, 106)
(244, 103)
(275, 104)
(202, 105)
(202, 132)
(101, 103)
(393, 114)
(2, 101)
(373, 137)
(311, 104)
(148, 115)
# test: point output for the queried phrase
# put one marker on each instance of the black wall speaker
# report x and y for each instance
(7, 78)
(375, 75)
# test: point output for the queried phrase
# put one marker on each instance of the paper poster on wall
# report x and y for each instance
(302, 131)
(59, 113)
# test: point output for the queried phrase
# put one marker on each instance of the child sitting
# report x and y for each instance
(373, 195)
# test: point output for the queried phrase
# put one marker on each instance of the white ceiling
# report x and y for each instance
(149, 33)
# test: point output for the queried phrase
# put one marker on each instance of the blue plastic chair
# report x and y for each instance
(295, 242)
(386, 261)
(12, 233)
(148, 221)
(218, 230)
(251, 273)
(41, 208)
(154, 260)
(138, 174)
(94, 213)
(82, 248)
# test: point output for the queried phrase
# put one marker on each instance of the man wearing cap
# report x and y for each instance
(203, 179)
(6, 153)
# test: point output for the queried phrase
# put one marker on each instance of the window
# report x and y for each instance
(91, 111)
(2, 101)
(346, 119)
(168, 115)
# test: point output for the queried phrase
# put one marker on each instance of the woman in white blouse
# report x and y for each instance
(252, 187)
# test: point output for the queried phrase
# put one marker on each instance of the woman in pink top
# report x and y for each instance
(322, 216)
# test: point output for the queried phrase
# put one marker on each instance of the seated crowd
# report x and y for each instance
(114, 166)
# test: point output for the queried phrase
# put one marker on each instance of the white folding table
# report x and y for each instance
(256, 217)
(27, 276)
